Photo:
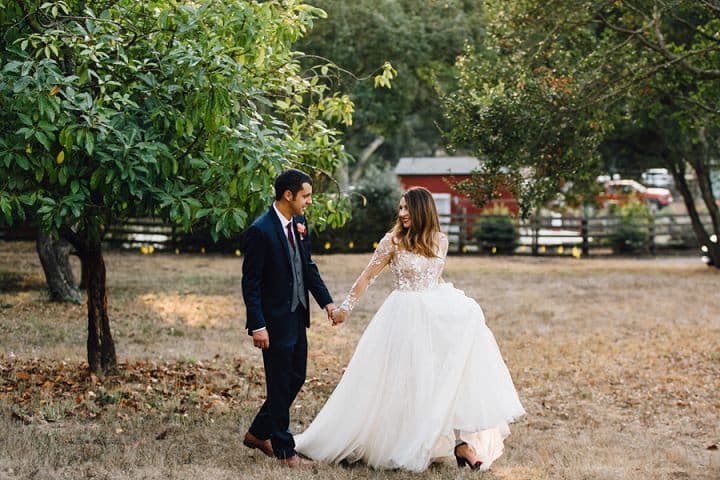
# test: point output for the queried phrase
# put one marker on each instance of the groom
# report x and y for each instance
(278, 272)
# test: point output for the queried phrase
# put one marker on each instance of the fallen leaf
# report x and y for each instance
(22, 418)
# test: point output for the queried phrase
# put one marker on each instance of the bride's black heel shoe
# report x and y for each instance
(463, 462)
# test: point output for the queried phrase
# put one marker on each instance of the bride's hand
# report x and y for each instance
(339, 316)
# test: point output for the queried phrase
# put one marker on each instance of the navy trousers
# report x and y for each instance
(285, 370)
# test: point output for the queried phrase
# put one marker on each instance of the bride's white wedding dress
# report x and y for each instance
(426, 374)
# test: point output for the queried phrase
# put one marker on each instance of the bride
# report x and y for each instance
(427, 379)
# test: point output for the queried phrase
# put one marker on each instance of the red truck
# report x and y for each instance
(619, 192)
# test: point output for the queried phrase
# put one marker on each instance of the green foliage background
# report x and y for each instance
(631, 233)
(496, 229)
(421, 38)
(374, 210)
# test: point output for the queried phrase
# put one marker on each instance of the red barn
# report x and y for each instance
(438, 174)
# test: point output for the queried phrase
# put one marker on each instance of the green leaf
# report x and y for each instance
(21, 84)
(95, 178)
(25, 119)
(23, 162)
(5, 207)
(239, 216)
(89, 143)
(13, 67)
(63, 176)
(28, 199)
(43, 139)
(26, 132)
(66, 139)
(46, 126)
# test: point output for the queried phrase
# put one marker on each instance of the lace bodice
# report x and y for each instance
(412, 271)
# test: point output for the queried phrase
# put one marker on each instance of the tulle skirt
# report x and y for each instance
(426, 374)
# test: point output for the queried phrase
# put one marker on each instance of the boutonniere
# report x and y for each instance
(301, 230)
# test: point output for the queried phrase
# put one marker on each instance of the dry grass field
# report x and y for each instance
(617, 362)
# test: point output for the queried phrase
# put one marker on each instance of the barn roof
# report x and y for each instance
(436, 165)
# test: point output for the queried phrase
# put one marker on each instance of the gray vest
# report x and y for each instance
(298, 295)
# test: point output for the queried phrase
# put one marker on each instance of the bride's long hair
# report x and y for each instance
(422, 235)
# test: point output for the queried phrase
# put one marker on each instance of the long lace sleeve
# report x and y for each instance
(381, 257)
(444, 245)
(443, 251)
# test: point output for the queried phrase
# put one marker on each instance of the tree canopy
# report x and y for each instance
(183, 110)
(421, 39)
(555, 79)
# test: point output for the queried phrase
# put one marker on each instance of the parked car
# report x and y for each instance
(619, 192)
(657, 177)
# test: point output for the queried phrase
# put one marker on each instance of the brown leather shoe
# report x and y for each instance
(251, 441)
(296, 461)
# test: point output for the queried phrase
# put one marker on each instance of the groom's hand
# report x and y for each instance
(339, 316)
(330, 308)
(261, 339)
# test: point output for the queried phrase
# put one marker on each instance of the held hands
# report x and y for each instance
(330, 308)
(261, 339)
(339, 316)
(335, 315)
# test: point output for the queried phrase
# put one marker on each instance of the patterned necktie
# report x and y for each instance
(291, 239)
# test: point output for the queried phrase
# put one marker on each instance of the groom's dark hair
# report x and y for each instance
(291, 179)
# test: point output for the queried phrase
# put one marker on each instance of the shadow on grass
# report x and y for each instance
(13, 282)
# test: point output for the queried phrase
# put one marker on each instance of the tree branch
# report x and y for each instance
(712, 38)
(661, 45)
(75, 240)
(28, 17)
(712, 6)
(192, 144)
(707, 108)
(704, 74)
(340, 69)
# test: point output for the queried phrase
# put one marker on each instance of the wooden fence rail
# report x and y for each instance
(547, 235)
(576, 235)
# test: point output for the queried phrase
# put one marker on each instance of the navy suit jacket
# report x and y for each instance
(267, 281)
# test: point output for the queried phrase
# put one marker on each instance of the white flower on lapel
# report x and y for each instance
(301, 230)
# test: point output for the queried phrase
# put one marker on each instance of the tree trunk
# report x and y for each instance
(701, 162)
(54, 257)
(83, 274)
(713, 253)
(678, 170)
(365, 157)
(100, 346)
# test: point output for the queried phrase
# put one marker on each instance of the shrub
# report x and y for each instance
(631, 233)
(496, 229)
(374, 209)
